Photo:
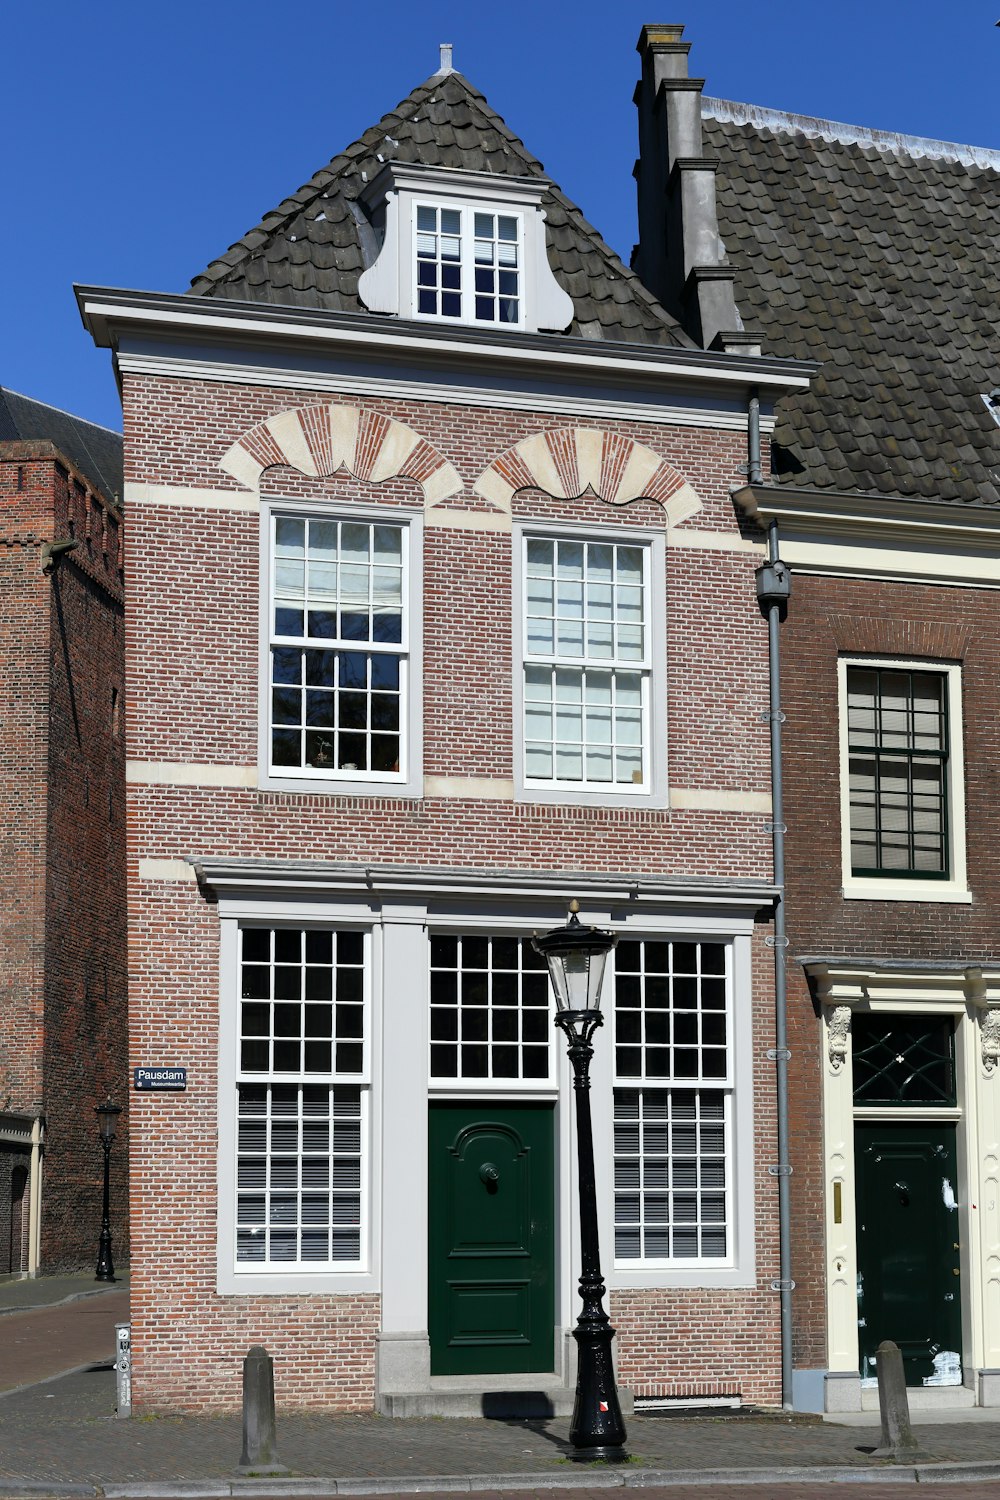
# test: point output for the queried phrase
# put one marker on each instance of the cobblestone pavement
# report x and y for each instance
(46, 1341)
(66, 1431)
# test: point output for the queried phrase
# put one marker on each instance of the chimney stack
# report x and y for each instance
(679, 254)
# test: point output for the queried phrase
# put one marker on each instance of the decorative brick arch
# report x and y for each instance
(566, 461)
(319, 440)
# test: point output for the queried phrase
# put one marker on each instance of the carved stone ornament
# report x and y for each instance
(838, 1029)
(989, 1023)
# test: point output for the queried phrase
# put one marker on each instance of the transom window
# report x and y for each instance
(301, 1098)
(901, 1059)
(489, 1009)
(672, 1102)
(339, 648)
(586, 664)
(897, 739)
(468, 265)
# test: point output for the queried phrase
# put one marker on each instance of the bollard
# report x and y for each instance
(260, 1454)
(897, 1440)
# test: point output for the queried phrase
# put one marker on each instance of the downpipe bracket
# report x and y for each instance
(778, 1054)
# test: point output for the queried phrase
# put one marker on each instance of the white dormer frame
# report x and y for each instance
(389, 286)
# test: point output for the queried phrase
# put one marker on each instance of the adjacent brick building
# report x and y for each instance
(62, 770)
(875, 255)
(440, 614)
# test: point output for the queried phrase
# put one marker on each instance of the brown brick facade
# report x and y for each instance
(62, 903)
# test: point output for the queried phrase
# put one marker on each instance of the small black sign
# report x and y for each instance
(169, 1080)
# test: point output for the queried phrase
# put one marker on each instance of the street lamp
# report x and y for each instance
(107, 1117)
(576, 957)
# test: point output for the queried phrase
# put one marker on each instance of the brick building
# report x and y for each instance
(62, 830)
(876, 256)
(440, 614)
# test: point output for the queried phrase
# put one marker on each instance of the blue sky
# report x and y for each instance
(141, 140)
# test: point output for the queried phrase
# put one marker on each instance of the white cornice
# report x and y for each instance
(879, 536)
(249, 875)
(901, 987)
(107, 313)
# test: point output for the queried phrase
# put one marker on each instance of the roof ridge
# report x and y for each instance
(731, 111)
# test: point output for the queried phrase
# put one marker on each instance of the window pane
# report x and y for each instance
(897, 771)
(501, 1001)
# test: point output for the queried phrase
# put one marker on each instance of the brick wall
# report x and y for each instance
(62, 914)
(829, 617)
(193, 661)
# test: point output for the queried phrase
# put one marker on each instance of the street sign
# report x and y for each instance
(163, 1080)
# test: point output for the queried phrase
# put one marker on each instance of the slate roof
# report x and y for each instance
(311, 249)
(96, 451)
(880, 256)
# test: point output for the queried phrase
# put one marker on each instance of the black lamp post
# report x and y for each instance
(107, 1117)
(576, 957)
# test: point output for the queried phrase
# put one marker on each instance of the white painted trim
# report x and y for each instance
(492, 788)
(201, 315)
(655, 795)
(410, 784)
(189, 495)
(626, 409)
(873, 888)
(230, 1280)
(711, 799)
(184, 773)
(166, 869)
(739, 1268)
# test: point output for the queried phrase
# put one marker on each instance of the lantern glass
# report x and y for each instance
(107, 1117)
(576, 957)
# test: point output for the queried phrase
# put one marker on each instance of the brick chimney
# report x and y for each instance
(679, 256)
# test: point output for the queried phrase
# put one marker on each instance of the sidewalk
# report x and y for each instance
(62, 1437)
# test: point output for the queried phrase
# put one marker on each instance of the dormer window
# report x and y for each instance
(468, 265)
(462, 247)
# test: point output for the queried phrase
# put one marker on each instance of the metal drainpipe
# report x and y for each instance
(773, 589)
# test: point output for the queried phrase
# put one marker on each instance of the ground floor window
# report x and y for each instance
(301, 1095)
(672, 1102)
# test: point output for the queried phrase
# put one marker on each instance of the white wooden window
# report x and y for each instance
(587, 663)
(902, 780)
(339, 649)
(490, 1010)
(468, 264)
(302, 1096)
(672, 1102)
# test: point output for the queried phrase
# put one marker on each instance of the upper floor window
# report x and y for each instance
(902, 779)
(587, 665)
(468, 264)
(462, 247)
(339, 650)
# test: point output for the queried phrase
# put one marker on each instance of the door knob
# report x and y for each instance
(489, 1174)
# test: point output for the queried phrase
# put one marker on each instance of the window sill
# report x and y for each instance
(947, 892)
(332, 786)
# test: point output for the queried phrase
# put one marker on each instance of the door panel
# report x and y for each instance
(909, 1287)
(491, 1209)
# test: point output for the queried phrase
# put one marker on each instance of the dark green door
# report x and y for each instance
(491, 1211)
(909, 1288)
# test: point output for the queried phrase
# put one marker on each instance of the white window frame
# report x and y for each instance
(408, 782)
(654, 792)
(885, 887)
(237, 1278)
(738, 1268)
(467, 262)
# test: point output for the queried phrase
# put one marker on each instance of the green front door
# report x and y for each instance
(491, 1210)
(909, 1288)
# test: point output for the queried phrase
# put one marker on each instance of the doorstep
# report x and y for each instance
(528, 1396)
(926, 1398)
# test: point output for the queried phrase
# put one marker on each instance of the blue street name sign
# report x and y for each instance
(173, 1080)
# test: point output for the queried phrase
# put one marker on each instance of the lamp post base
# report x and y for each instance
(598, 1455)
